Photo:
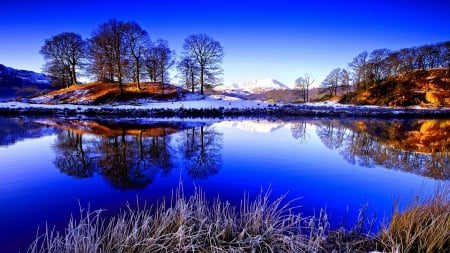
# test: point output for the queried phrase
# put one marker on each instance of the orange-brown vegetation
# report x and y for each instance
(99, 129)
(424, 136)
(423, 227)
(420, 87)
(101, 92)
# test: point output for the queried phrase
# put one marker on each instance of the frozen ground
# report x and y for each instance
(218, 106)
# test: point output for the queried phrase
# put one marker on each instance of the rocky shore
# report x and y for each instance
(266, 110)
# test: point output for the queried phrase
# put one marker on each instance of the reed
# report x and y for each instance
(193, 224)
(423, 227)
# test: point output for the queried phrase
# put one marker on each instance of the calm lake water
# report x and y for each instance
(50, 167)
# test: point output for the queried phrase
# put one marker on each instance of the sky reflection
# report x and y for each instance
(225, 159)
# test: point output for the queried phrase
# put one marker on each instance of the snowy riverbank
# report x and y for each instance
(212, 107)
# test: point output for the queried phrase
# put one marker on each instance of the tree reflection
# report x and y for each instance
(130, 157)
(73, 157)
(133, 161)
(201, 148)
(298, 131)
(417, 146)
(127, 158)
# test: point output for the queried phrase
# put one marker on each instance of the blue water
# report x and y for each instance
(237, 157)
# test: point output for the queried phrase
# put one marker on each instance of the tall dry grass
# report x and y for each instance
(193, 224)
(186, 224)
(423, 227)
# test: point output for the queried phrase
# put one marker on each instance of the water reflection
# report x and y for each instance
(417, 146)
(129, 156)
(201, 148)
(74, 155)
(16, 129)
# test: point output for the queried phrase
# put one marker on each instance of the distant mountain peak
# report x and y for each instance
(253, 86)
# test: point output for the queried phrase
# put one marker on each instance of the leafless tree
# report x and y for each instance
(137, 40)
(109, 50)
(188, 72)
(300, 87)
(302, 84)
(208, 53)
(158, 60)
(332, 81)
(65, 54)
(358, 66)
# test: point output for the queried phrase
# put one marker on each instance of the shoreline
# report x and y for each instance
(221, 110)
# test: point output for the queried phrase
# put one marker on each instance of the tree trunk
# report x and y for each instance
(202, 69)
(138, 80)
(192, 82)
(73, 74)
(307, 93)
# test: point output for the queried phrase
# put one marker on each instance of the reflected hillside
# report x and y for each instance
(418, 146)
(13, 130)
(112, 128)
(130, 155)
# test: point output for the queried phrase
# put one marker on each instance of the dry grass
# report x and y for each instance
(101, 92)
(185, 225)
(192, 224)
(423, 227)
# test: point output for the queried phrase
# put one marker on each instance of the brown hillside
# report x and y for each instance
(100, 92)
(420, 87)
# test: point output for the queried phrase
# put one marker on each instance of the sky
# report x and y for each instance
(262, 39)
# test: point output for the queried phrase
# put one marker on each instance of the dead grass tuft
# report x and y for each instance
(423, 227)
(192, 224)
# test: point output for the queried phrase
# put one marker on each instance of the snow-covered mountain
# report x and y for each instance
(252, 126)
(253, 86)
(24, 75)
(14, 82)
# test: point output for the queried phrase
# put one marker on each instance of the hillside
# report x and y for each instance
(420, 87)
(15, 83)
(101, 93)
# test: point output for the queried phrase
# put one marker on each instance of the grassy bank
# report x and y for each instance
(192, 224)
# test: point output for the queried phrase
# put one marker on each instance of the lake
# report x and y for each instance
(52, 167)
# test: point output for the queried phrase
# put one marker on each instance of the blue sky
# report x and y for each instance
(262, 39)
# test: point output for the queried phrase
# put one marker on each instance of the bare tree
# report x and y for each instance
(137, 40)
(109, 50)
(358, 65)
(308, 79)
(377, 63)
(302, 84)
(188, 72)
(65, 53)
(345, 81)
(300, 88)
(332, 81)
(159, 59)
(208, 53)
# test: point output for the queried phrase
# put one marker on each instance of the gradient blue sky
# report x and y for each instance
(262, 39)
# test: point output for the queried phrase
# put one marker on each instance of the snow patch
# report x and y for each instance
(252, 126)
(253, 86)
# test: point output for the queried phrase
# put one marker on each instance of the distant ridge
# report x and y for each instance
(14, 82)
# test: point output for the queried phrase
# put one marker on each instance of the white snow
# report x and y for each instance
(253, 86)
(205, 103)
(262, 126)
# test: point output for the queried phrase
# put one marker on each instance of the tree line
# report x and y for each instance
(369, 69)
(121, 52)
